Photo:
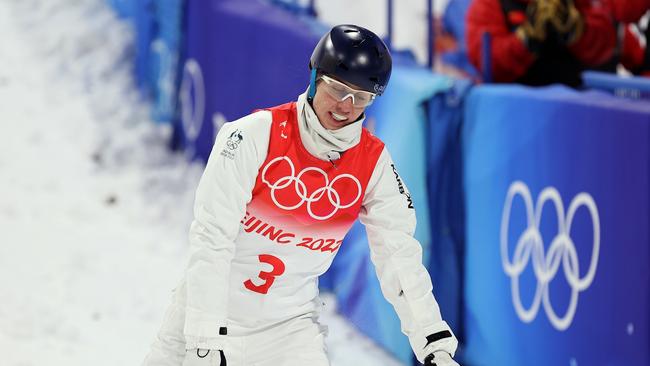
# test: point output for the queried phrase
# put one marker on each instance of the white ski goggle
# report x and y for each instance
(341, 92)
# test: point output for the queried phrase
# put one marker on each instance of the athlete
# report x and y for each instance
(280, 190)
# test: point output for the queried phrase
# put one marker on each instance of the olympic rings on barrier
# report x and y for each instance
(530, 246)
(301, 189)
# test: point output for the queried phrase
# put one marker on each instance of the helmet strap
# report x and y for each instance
(312, 86)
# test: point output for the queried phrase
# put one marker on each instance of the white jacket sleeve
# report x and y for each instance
(389, 217)
(221, 198)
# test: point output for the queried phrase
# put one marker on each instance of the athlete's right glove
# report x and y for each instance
(439, 358)
(204, 357)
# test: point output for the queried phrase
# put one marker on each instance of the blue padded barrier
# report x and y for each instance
(632, 87)
(557, 212)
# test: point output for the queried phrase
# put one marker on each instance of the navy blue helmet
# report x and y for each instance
(354, 55)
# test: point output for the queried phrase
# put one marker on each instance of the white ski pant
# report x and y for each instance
(297, 342)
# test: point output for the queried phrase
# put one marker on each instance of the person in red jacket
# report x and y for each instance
(629, 11)
(635, 57)
(541, 42)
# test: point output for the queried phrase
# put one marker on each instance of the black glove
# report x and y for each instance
(550, 21)
(565, 23)
(439, 358)
(533, 32)
(204, 357)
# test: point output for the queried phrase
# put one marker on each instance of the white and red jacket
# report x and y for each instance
(270, 217)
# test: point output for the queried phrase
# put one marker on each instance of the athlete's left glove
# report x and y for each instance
(204, 357)
(439, 358)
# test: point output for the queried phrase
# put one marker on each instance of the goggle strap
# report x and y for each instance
(312, 85)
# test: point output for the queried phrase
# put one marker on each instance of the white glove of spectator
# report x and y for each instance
(439, 358)
(204, 357)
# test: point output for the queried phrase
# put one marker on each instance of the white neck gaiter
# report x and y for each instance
(323, 143)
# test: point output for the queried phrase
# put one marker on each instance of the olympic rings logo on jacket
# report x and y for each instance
(301, 190)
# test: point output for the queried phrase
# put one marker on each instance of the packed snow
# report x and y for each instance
(94, 209)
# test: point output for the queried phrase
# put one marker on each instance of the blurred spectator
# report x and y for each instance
(635, 57)
(450, 42)
(629, 11)
(540, 42)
